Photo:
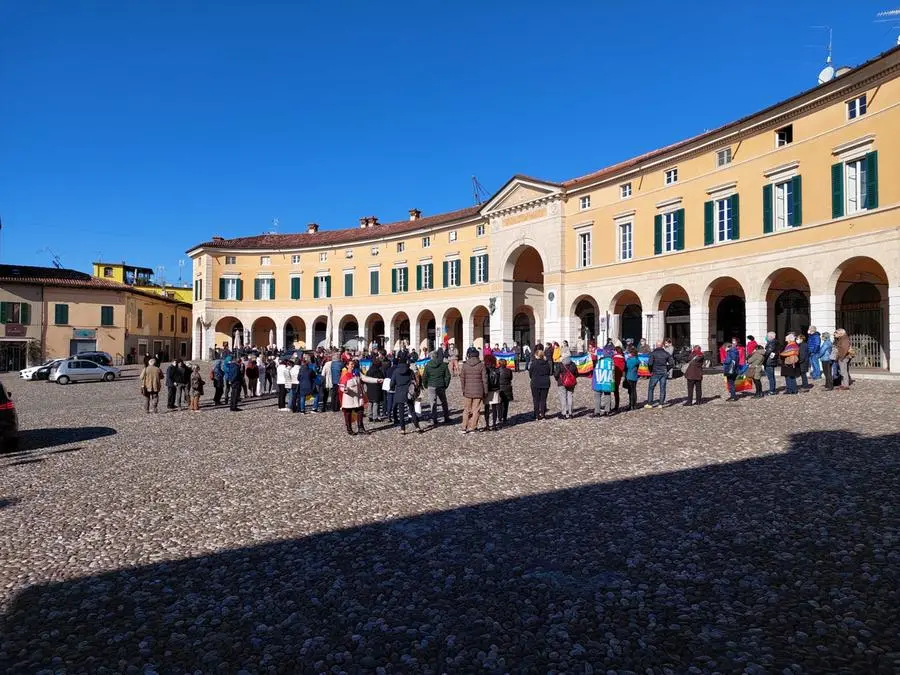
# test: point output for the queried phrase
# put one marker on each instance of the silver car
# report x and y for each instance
(82, 370)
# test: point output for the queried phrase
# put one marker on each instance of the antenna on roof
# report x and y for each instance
(479, 194)
(827, 73)
(54, 259)
(891, 16)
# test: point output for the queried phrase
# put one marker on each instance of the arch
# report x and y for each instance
(198, 341)
(587, 312)
(525, 326)
(348, 331)
(480, 320)
(514, 252)
(400, 329)
(861, 288)
(727, 305)
(452, 326)
(229, 332)
(426, 328)
(375, 329)
(673, 305)
(262, 332)
(626, 316)
(320, 335)
(294, 333)
(786, 292)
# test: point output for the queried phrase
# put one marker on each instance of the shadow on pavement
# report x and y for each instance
(38, 439)
(789, 561)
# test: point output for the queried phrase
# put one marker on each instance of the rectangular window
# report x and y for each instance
(295, 260)
(401, 246)
(399, 280)
(724, 219)
(584, 249)
(172, 323)
(723, 157)
(374, 250)
(323, 257)
(625, 190)
(106, 316)
(784, 136)
(322, 286)
(671, 176)
(670, 231)
(426, 242)
(265, 289)
(230, 260)
(265, 260)
(479, 230)
(584, 202)
(348, 253)
(373, 282)
(198, 289)
(452, 273)
(425, 277)
(855, 172)
(140, 318)
(452, 235)
(626, 242)
(784, 205)
(159, 322)
(184, 325)
(856, 107)
(295, 287)
(348, 284)
(481, 269)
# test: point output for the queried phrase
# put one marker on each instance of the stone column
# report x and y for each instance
(893, 346)
(700, 324)
(756, 320)
(822, 313)
(414, 333)
(614, 329)
(502, 318)
(467, 333)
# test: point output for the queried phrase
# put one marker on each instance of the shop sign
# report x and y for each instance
(84, 333)
(15, 330)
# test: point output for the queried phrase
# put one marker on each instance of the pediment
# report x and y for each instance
(519, 191)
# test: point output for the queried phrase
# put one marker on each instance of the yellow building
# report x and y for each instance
(140, 278)
(47, 312)
(787, 218)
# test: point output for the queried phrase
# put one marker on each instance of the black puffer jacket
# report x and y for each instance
(540, 374)
(506, 381)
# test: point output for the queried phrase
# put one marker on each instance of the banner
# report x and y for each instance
(741, 382)
(364, 365)
(510, 359)
(643, 365)
(420, 365)
(583, 363)
(604, 375)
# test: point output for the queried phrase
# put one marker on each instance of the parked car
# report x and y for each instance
(82, 370)
(102, 358)
(41, 372)
(9, 421)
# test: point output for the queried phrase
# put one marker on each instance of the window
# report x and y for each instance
(478, 269)
(230, 288)
(626, 242)
(159, 323)
(323, 257)
(426, 242)
(452, 235)
(856, 107)
(584, 249)
(184, 325)
(16, 312)
(723, 157)
(322, 286)
(62, 315)
(348, 253)
(107, 271)
(295, 260)
(374, 250)
(625, 190)
(401, 246)
(172, 323)
(724, 219)
(425, 277)
(856, 186)
(230, 260)
(348, 284)
(670, 228)
(784, 136)
(264, 288)
(584, 202)
(671, 176)
(295, 288)
(373, 282)
(479, 230)
(106, 316)
(399, 280)
(265, 260)
(668, 232)
(452, 273)
(784, 205)
(198, 289)
(140, 318)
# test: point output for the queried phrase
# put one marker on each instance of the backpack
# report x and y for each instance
(493, 378)
(567, 379)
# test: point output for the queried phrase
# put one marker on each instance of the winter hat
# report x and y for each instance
(470, 352)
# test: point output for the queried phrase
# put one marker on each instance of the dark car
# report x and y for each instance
(9, 421)
(101, 358)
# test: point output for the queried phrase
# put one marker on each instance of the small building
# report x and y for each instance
(140, 278)
(47, 312)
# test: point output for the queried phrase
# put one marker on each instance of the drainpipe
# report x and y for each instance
(44, 314)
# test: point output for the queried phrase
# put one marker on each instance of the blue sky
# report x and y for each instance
(136, 130)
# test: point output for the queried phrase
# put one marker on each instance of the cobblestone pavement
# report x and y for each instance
(758, 536)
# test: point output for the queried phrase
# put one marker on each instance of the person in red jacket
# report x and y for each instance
(619, 366)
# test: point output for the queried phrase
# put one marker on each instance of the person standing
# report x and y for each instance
(731, 366)
(790, 357)
(539, 371)
(196, 388)
(603, 383)
(404, 382)
(814, 343)
(618, 358)
(826, 349)
(172, 376)
(755, 368)
(803, 361)
(693, 375)
(751, 345)
(453, 353)
(151, 381)
(771, 360)
(436, 379)
(217, 375)
(505, 375)
(234, 377)
(643, 346)
(281, 376)
(632, 362)
(565, 374)
(659, 363)
(526, 356)
(304, 384)
(844, 356)
(183, 384)
(269, 375)
(336, 366)
(373, 390)
(473, 382)
(352, 400)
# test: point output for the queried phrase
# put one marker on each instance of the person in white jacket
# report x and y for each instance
(283, 382)
(353, 399)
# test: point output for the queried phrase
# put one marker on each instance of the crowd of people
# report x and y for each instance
(379, 386)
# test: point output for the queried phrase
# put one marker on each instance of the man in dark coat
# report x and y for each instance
(660, 363)
(436, 379)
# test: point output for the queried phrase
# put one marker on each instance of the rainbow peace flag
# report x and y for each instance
(741, 382)
(364, 365)
(643, 365)
(583, 363)
(510, 359)
(420, 365)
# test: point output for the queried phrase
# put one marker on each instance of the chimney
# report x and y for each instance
(364, 222)
(218, 238)
(312, 228)
(372, 221)
(414, 214)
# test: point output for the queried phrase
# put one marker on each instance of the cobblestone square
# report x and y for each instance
(757, 536)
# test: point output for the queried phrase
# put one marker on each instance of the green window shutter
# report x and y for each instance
(735, 217)
(458, 264)
(222, 290)
(315, 287)
(295, 288)
(62, 315)
(768, 220)
(240, 289)
(394, 280)
(709, 237)
(328, 286)
(4, 312)
(472, 270)
(348, 285)
(272, 290)
(430, 275)
(106, 318)
(446, 270)
(797, 198)
(405, 284)
(256, 289)
(418, 277)
(837, 190)
(657, 234)
(373, 282)
(25, 314)
(487, 267)
(872, 180)
(679, 230)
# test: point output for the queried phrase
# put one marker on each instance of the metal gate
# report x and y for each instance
(865, 331)
(12, 356)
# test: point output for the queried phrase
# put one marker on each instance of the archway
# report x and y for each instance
(861, 288)
(262, 332)
(453, 328)
(375, 330)
(627, 313)
(524, 326)
(587, 312)
(320, 335)
(295, 333)
(229, 333)
(348, 330)
(401, 325)
(673, 306)
(523, 286)
(481, 326)
(787, 302)
(198, 342)
(727, 311)
(426, 326)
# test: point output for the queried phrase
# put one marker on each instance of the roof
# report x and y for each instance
(339, 237)
(125, 265)
(66, 278)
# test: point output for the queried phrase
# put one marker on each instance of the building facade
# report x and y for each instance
(785, 219)
(48, 313)
(140, 278)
